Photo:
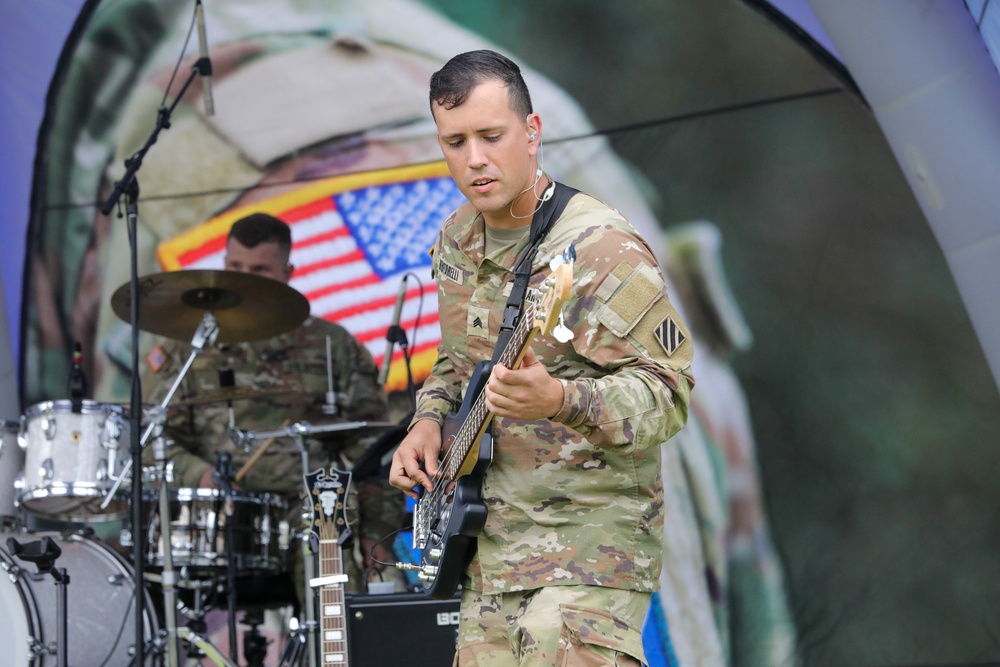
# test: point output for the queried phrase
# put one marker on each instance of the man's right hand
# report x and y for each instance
(416, 459)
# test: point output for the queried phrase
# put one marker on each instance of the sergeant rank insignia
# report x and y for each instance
(669, 335)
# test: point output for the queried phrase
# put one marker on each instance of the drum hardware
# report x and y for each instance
(170, 304)
(298, 433)
(223, 476)
(218, 307)
(168, 578)
(102, 589)
(206, 334)
(252, 461)
(193, 633)
(300, 430)
(43, 553)
(207, 648)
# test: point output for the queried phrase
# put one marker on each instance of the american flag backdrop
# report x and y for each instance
(354, 238)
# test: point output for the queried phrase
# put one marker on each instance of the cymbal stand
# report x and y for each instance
(224, 478)
(204, 336)
(168, 578)
(206, 333)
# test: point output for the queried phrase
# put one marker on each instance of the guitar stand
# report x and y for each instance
(43, 553)
(295, 647)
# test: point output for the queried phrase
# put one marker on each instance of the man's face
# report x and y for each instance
(489, 154)
(265, 259)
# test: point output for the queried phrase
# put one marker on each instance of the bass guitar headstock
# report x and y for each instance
(328, 497)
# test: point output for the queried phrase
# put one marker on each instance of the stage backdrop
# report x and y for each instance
(837, 486)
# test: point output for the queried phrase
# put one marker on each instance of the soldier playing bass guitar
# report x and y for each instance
(571, 542)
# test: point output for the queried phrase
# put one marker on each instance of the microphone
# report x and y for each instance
(77, 383)
(330, 407)
(204, 64)
(392, 335)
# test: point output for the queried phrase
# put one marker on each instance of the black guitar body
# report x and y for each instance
(460, 514)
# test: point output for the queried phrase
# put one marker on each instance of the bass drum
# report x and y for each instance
(100, 619)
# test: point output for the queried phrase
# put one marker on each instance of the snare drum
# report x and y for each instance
(100, 620)
(198, 531)
(71, 459)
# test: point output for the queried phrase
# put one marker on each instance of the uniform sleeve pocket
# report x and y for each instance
(628, 294)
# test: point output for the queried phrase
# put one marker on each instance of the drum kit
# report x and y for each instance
(65, 468)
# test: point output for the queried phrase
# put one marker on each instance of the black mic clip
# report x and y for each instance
(397, 335)
(203, 66)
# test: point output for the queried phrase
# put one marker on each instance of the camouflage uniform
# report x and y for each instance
(578, 499)
(294, 362)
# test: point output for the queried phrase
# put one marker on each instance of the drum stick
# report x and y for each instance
(252, 461)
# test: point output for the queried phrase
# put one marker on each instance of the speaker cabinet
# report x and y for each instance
(401, 629)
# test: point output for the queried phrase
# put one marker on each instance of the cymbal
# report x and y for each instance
(235, 394)
(246, 306)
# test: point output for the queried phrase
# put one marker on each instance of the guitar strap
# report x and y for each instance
(546, 215)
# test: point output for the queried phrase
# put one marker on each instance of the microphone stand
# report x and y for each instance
(129, 187)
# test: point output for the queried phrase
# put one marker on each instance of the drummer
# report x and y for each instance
(271, 384)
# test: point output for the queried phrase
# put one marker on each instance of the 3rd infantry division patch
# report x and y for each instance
(669, 335)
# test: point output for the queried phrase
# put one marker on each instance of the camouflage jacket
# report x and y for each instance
(576, 499)
(285, 382)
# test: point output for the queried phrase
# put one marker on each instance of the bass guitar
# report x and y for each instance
(447, 519)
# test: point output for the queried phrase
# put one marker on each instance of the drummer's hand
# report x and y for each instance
(415, 460)
(207, 480)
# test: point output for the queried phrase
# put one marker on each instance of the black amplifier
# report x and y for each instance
(401, 629)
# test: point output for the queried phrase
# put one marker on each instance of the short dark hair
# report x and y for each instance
(452, 84)
(257, 228)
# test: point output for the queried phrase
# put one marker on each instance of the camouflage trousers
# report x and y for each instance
(587, 626)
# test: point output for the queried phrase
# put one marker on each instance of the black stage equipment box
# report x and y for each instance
(401, 629)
